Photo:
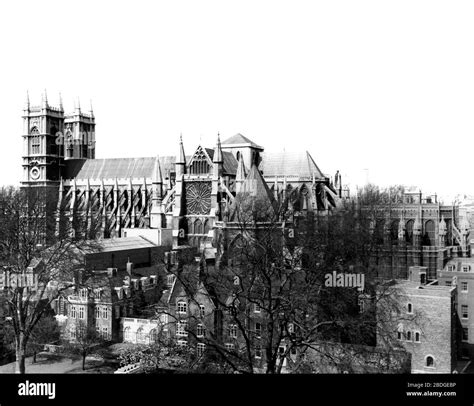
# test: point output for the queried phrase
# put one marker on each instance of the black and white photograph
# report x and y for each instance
(274, 196)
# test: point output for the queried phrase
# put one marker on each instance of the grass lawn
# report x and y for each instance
(50, 363)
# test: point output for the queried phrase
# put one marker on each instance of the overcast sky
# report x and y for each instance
(384, 88)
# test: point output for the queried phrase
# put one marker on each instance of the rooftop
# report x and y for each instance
(120, 168)
(239, 139)
(119, 244)
(287, 163)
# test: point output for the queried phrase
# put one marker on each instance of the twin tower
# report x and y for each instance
(50, 137)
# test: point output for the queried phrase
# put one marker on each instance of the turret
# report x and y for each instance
(77, 107)
(180, 159)
(26, 108)
(156, 215)
(442, 230)
(91, 110)
(157, 182)
(218, 159)
(44, 101)
(417, 230)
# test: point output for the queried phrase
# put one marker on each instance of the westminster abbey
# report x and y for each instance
(178, 200)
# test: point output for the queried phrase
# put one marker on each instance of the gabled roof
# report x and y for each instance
(238, 139)
(230, 163)
(119, 168)
(254, 187)
(125, 243)
(290, 164)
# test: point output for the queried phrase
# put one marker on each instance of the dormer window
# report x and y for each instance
(451, 268)
(466, 268)
(83, 293)
(182, 307)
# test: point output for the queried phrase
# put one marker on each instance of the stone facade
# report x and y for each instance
(180, 197)
(425, 324)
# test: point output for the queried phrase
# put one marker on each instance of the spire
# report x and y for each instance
(27, 101)
(44, 102)
(91, 110)
(156, 215)
(181, 156)
(218, 151)
(60, 102)
(157, 177)
(77, 106)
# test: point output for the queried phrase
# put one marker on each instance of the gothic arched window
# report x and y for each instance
(200, 164)
(153, 336)
(206, 226)
(140, 335)
(35, 141)
(126, 334)
(198, 229)
(429, 236)
(394, 230)
(69, 145)
(53, 146)
(409, 231)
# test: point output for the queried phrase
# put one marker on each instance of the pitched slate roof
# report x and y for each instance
(120, 168)
(289, 164)
(119, 244)
(239, 139)
(255, 187)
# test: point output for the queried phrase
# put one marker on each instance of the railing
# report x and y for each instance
(129, 369)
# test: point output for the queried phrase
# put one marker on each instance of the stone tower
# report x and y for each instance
(42, 154)
(50, 137)
(79, 134)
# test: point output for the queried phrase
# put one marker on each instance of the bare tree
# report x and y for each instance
(41, 256)
(85, 341)
(269, 286)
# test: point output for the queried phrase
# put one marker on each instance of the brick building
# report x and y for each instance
(417, 230)
(425, 323)
(118, 287)
(459, 272)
